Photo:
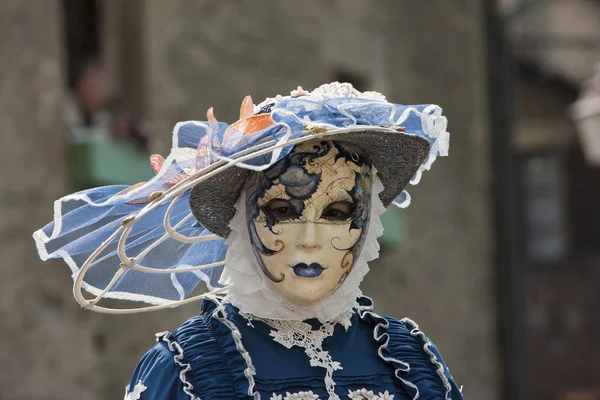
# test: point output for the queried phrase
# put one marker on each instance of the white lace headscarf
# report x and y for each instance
(253, 294)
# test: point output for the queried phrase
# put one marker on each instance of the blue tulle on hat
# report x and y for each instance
(86, 220)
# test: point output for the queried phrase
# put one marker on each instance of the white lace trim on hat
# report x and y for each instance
(325, 92)
(254, 295)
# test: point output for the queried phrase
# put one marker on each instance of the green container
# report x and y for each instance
(393, 229)
(102, 162)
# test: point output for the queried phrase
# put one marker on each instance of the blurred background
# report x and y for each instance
(498, 257)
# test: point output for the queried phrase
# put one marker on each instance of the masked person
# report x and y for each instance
(278, 215)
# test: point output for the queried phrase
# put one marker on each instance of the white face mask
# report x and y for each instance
(307, 217)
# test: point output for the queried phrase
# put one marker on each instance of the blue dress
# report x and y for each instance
(220, 355)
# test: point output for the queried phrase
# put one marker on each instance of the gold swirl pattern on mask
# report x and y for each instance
(343, 277)
(340, 248)
(348, 260)
(276, 243)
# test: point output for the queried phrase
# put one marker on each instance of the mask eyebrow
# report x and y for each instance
(339, 195)
(274, 192)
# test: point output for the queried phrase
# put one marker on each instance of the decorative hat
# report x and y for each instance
(156, 241)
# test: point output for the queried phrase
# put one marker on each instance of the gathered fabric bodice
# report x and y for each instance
(222, 354)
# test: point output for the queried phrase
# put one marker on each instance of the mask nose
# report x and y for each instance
(309, 238)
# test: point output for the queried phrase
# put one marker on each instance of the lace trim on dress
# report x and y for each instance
(416, 332)
(382, 323)
(178, 357)
(411, 343)
(221, 315)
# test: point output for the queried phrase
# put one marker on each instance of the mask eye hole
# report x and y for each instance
(338, 211)
(280, 210)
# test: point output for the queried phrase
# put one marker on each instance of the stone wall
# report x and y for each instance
(443, 277)
(561, 36)
(46, 350)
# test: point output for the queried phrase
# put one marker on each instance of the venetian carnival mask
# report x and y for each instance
(307, 217)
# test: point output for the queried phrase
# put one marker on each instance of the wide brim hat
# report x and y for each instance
(396, 156)
(154, 242)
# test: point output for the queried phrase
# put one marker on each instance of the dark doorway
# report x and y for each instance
(82, 34)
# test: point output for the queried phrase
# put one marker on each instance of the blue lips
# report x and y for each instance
(308, 271)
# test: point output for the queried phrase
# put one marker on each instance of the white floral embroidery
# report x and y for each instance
(297, 333)
(386, 396)
(361, 394)
(136, 393)
(296, 396)
(364, 394)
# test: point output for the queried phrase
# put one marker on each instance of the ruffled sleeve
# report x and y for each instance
(417, 362)
(427, 369)
(156, 377)
(203, 358)
(213, 356)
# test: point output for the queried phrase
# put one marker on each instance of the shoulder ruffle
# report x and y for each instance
(418, 363)
(156, 377)
(212, 360)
